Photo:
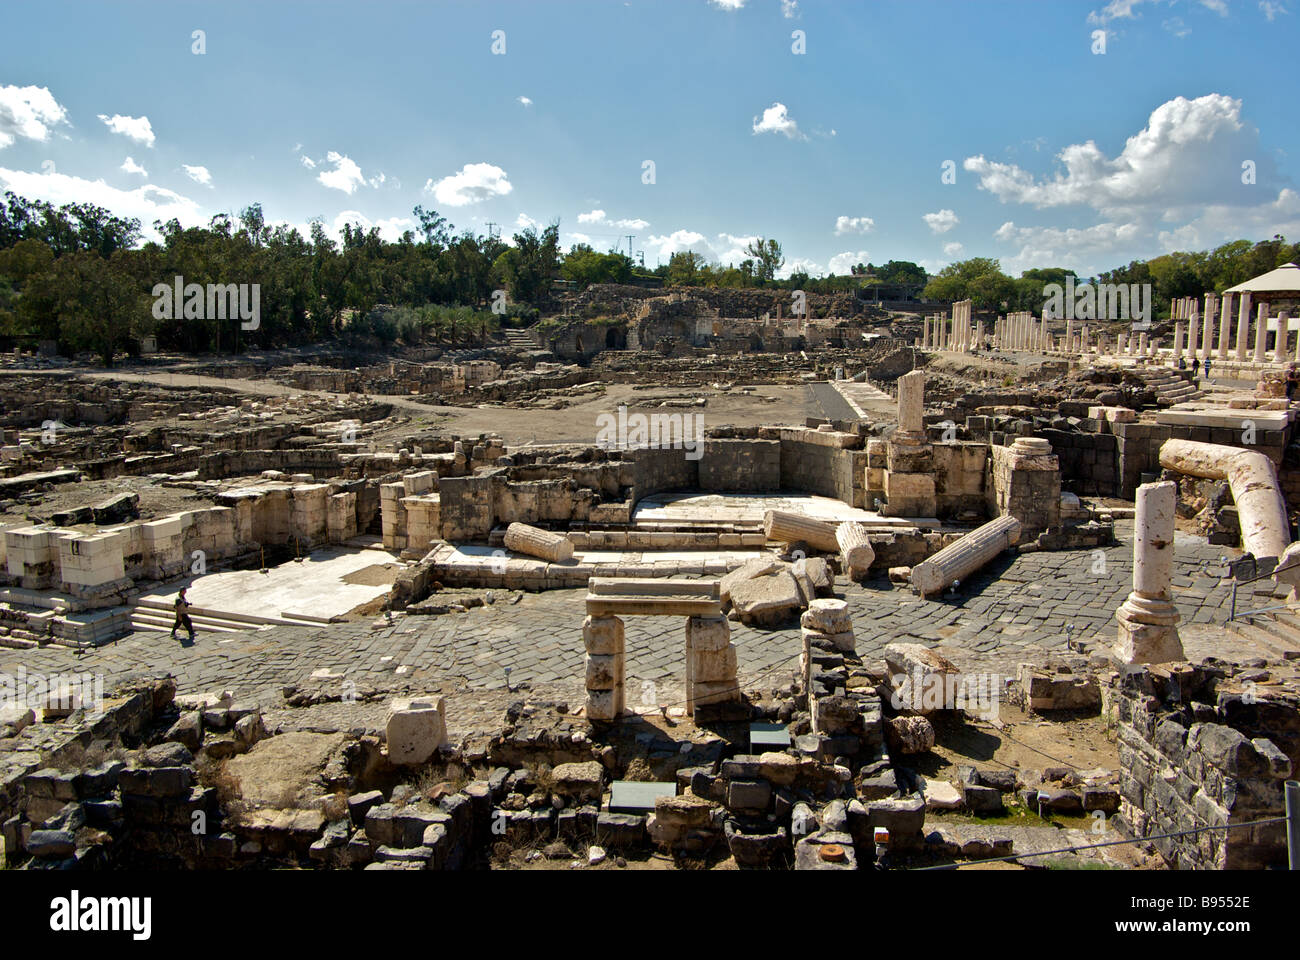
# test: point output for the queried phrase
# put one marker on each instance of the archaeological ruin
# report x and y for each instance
(879, 587)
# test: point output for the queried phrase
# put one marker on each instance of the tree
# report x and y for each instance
(529, 265)
(767, 259)
(979, 279)
(684, 268)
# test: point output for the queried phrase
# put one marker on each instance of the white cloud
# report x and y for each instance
(474, 183)
(1079, 247)
(1123, 9)
(391, 228)
(28, 112)
(777, 119)
(345, 176)
(525, 101)
(198, 174)
(728, 4)
(1187, 155)
(525, 222)
(952, 249)
(790, 9)
(598, 218)
(137, 128)
(847, 225)
(941, 222)
(377, 180)
(1177, 26)
(1271, 9)
(307, 162)
(801, 265)
(843, 263)
(146, 203)
(130, 166)
(577, 238)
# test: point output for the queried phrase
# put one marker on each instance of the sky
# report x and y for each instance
(1042, 133)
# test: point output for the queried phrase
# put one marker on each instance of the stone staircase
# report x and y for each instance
(157, 616)
(519, 339)
(1170, 388)
(1275, 630)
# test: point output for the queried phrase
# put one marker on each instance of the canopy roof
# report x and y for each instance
(1285, 279)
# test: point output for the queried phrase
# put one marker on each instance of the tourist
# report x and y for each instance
(1196, 368)
(1292, 376)
(1207, 369)
(182, 616)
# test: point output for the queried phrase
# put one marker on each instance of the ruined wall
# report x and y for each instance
(1196, 749)
(960, 477)
(828, 463)
(735, 465)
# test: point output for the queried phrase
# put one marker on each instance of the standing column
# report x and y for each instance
(1193, 334)
(1207, 329)
(1212, 311)
(1225, 323)
(1069, 336)
(1179, 332)
(979, 335)
(1243, 326)
(1261, 332)
(911, 403)
(1148, 620)
(1279, 345)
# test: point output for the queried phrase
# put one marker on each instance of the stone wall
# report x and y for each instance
(1200, 748)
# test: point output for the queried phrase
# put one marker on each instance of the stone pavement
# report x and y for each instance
(1016, 610)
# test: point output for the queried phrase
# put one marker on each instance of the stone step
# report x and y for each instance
(160, 624)
(1258, 637)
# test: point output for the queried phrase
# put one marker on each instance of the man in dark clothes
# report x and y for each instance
(183, 616)
(1292, 378)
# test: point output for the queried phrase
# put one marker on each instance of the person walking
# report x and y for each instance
(1207, 369)
(183, 616)
(1196, 369)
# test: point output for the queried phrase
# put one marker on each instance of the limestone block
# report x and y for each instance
(604, 705)
(602, 636)
(714, 665)
(707, 633)
(767, 600)
(604, 671)
(416, 728)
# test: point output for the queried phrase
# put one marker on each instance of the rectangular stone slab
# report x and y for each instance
(634, 796)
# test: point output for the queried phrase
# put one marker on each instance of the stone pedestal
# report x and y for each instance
(603, 639)
(1148, 631)
(710, 664)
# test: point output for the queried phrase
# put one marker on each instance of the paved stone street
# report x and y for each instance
(1016, 610)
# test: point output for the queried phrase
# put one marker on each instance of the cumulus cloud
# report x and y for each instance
(598, 218)
(1271, 9)
(942, 221)
(777, 119)
(390, 228)
(790, 9)
(474, 183)
(525, 222)
(843, 263)
(198, 174)
(130, 166)
(952, 249)
(1056, 246)
(135, 128)
(525, 101)
(847, 225)
(28, 112)
(307, 162)
(1188, 154)
(345, 175)
(727, 4)
(146, 203)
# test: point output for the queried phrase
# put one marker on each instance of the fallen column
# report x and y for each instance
(855, 549)
(1148, 620)
(786, 527)
(1265, 529)
(967, 555)
(522, 538)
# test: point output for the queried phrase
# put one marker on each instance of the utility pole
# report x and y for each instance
(630, 238)
(491, 224)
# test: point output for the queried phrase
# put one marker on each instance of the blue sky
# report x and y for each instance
(358, 112)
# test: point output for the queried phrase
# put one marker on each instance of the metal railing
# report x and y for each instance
(1238, 581)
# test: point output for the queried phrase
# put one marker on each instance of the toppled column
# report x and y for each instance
(855, 549)
(710, 663)
(785, 527)
(522, 538)
(1148, 620)
(1252, 478)
(967, 555)
(603, 639)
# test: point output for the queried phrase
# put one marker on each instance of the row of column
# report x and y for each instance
(1192, 332)
(1021, 331)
